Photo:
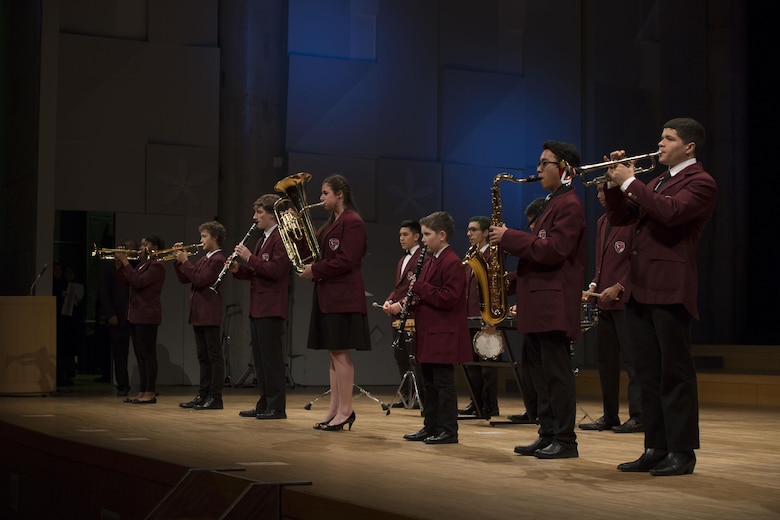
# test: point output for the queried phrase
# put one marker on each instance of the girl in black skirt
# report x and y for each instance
(338, 319)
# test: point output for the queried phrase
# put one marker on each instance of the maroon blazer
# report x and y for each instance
(441, 329)
(551, 267)
(205, 304)
(401, 287)
(145, 281)
(268, 271)
(613, 257)
(337, 275)
(667, 226)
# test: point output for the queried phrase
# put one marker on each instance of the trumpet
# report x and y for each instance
(652, 157)
(110, 254)
(163, 255)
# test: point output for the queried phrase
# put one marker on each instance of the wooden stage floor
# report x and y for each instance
(371, 472)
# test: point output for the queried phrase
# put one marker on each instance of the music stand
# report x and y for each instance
(360, 389)
(225, 339)
(409, 378)
(589, 318)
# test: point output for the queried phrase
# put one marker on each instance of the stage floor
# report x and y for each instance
(371, 468)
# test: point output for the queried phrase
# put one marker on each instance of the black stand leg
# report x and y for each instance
(363, 391)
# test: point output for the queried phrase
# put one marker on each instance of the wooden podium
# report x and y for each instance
(28, 344)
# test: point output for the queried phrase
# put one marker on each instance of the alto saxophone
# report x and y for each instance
(490, 274)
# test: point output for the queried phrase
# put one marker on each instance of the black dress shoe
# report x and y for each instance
(649, 459)
(600, 424)
(521, 418)
(630, 426)
(211, 403)
(199, 399)
(442, 438)
(556, 450)
(272, 414)
(250, 413)
(675, 463)
(469, 410)
(398, 404)
(418, 436)
(538, 444)
(492, 412)
(153, 400)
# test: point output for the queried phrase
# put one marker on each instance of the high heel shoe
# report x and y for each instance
(339, 427)
(322, 425)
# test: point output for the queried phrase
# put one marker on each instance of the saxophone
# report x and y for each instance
(490, 274)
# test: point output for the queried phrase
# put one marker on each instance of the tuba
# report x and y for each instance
(295, 225)
(490, 274)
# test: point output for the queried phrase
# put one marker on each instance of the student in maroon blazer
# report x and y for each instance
(338, 321)
(668, 216)
(205, 313)
(550, 274)
(441, 330)
(268, 272)
(483, 380)
(144, 314)
(613, 257)
(409, 236)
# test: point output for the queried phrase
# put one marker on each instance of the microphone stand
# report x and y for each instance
(32, 287)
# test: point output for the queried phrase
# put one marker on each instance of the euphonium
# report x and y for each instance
(295, 225)
(490, 274)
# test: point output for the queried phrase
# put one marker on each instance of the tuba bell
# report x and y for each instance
(294, 220)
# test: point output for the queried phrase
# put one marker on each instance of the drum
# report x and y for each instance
(589, 316)
(489, 345)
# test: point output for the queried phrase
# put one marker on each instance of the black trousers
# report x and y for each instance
(484, 383)
(614, 342)
(145, 344)
(667, 376)
(268, 357)
(119, 339)
(210, 359)
(440, 409)
(548, 359)
(530, 396)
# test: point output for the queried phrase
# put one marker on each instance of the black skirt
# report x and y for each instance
(338, 331)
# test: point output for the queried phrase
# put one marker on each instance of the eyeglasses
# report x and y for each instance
(472, 230)
(543, 164)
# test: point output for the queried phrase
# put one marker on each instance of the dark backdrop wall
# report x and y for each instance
(169, 120)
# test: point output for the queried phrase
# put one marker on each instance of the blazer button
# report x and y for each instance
(634, 253)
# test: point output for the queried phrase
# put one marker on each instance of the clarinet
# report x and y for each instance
(229, 261)
(408, 304)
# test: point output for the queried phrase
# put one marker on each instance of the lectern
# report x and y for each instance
(28, 345)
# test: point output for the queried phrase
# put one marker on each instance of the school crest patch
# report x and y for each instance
(542, 234)
(265, 257)
(334, 243)
(620, 246)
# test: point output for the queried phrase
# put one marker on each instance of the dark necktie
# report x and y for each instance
(260, 243)
(665, 178)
